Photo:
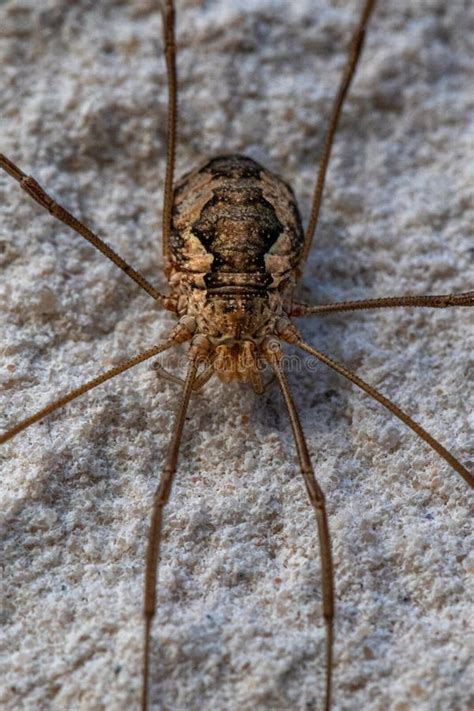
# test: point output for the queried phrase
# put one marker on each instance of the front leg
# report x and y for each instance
(154, 537)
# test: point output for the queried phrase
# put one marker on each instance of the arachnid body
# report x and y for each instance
(212, 635)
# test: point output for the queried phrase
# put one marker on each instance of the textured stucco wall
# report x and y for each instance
(82, 107)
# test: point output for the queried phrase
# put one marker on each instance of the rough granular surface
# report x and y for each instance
(83, 109)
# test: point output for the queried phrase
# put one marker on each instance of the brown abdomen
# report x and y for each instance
(232, 217)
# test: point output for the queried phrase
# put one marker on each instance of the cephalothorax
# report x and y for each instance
(233, 248)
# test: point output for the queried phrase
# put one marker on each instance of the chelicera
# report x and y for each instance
(233, 249)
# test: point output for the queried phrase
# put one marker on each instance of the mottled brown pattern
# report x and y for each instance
(232, 216)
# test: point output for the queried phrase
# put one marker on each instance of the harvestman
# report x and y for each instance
(233, 249)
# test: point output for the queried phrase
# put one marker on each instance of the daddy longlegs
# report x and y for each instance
(233, 251)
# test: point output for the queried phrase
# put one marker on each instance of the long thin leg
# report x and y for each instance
(163, 373)
(200, 381)
(353, 58)
(437, 301)
(170, 56)
(73, 394)
(154, 537)
(376, 395)
(34, 190)
(317, 500)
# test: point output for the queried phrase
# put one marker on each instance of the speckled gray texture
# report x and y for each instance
(83, 108)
